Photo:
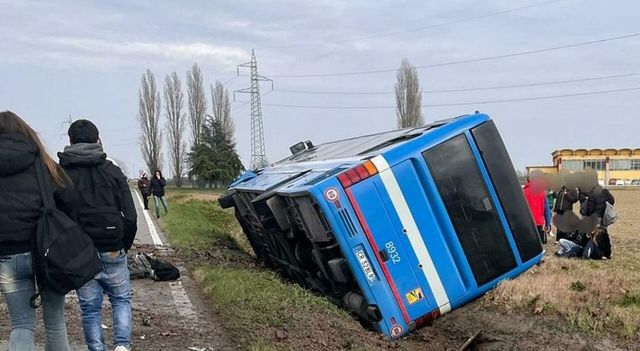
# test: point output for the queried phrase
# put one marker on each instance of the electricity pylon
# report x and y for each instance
(258, 152)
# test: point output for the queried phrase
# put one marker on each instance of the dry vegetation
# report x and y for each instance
(564, 304)
(597, 297)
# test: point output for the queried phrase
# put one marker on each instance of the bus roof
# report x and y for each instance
(362, 146)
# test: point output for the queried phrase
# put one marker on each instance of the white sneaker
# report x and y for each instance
(121, 348)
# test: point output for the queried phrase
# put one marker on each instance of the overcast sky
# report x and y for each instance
(61, 58)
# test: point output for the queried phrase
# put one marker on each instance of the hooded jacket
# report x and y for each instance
(20, 200)
(595, 201)
(537, 200)
(143, 186)
(107, 212)
(157, 185)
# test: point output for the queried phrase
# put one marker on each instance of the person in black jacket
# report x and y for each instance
(594, 202)
(145, 189)
(599, 245)
(157, 189)
(564, 218)
(20, 206)
(108, 215)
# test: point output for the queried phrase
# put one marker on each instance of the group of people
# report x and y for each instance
(92, 191)
(155, 188)
(584, 236)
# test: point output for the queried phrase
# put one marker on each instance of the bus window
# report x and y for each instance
(500, 168)
(470, 208)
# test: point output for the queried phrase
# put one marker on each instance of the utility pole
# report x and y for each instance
(66, 123)
(258, 152)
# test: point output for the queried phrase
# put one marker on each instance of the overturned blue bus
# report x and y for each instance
(398, 227)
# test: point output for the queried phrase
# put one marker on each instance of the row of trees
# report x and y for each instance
(211, 156)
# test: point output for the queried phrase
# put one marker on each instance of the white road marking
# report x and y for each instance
(152, 228)
(181, 299)
(182, 302)
(413, 233)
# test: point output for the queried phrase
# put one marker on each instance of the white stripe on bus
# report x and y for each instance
(413, 233)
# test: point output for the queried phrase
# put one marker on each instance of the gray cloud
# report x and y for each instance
(86, 60)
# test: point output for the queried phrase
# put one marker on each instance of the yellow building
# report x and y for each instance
(542, 169)
(618, 164)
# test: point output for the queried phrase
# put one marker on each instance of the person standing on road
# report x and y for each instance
(535, 193)
(157, 189)
(145, 189)
(109, 217)
(20, 206)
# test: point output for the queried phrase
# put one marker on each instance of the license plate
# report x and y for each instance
(366, 266)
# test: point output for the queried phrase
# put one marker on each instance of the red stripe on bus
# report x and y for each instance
(367, 233)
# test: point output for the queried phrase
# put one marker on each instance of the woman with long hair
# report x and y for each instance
(20, 209)
(157, 190)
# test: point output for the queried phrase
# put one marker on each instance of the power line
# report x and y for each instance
(417, 29)
(456, 90)
(229, 80)
(535, 98)
(248, 102)
(451, 63)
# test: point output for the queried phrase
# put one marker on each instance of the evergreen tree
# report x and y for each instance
(215, 159)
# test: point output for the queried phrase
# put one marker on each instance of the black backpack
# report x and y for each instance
(100, 216)
(63, 255)
(155, 269)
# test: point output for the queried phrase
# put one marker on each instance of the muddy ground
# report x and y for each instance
(158, 323)
(161, 323)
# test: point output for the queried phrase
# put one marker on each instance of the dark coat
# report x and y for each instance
(20, 202)
(565, 199)
(595, 201)
(104, 196)
(144, 185)
(157, 186)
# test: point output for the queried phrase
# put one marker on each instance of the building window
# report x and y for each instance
(620, 165)
(597, 165)
(635, 164)
(573, 165)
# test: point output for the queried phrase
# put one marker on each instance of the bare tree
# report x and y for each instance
(408, 96)
(222, 108)
(197, 102)
(122, 165)
(173, 103)
(149, 119)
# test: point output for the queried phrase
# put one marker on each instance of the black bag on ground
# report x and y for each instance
(156, 269)
(63, 255)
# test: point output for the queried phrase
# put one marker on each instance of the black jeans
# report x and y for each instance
(145, 200)
(543, 234)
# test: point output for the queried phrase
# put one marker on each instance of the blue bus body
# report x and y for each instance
(398, 227)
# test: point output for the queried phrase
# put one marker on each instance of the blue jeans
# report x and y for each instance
(113, 280)
(157, 200)
(566, 246)
(17, 286)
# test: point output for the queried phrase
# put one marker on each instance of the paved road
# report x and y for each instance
(164, 316)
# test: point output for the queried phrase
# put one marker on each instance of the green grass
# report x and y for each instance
(251, 302)
(190, 190)
(198, 224)
(255, 297)
(630, 300)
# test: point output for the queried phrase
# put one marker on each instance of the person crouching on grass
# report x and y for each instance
(109, 217)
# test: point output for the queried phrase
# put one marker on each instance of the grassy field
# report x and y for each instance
(258, 308)
(598, 299)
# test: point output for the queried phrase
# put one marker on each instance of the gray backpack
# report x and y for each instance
(610, 215)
